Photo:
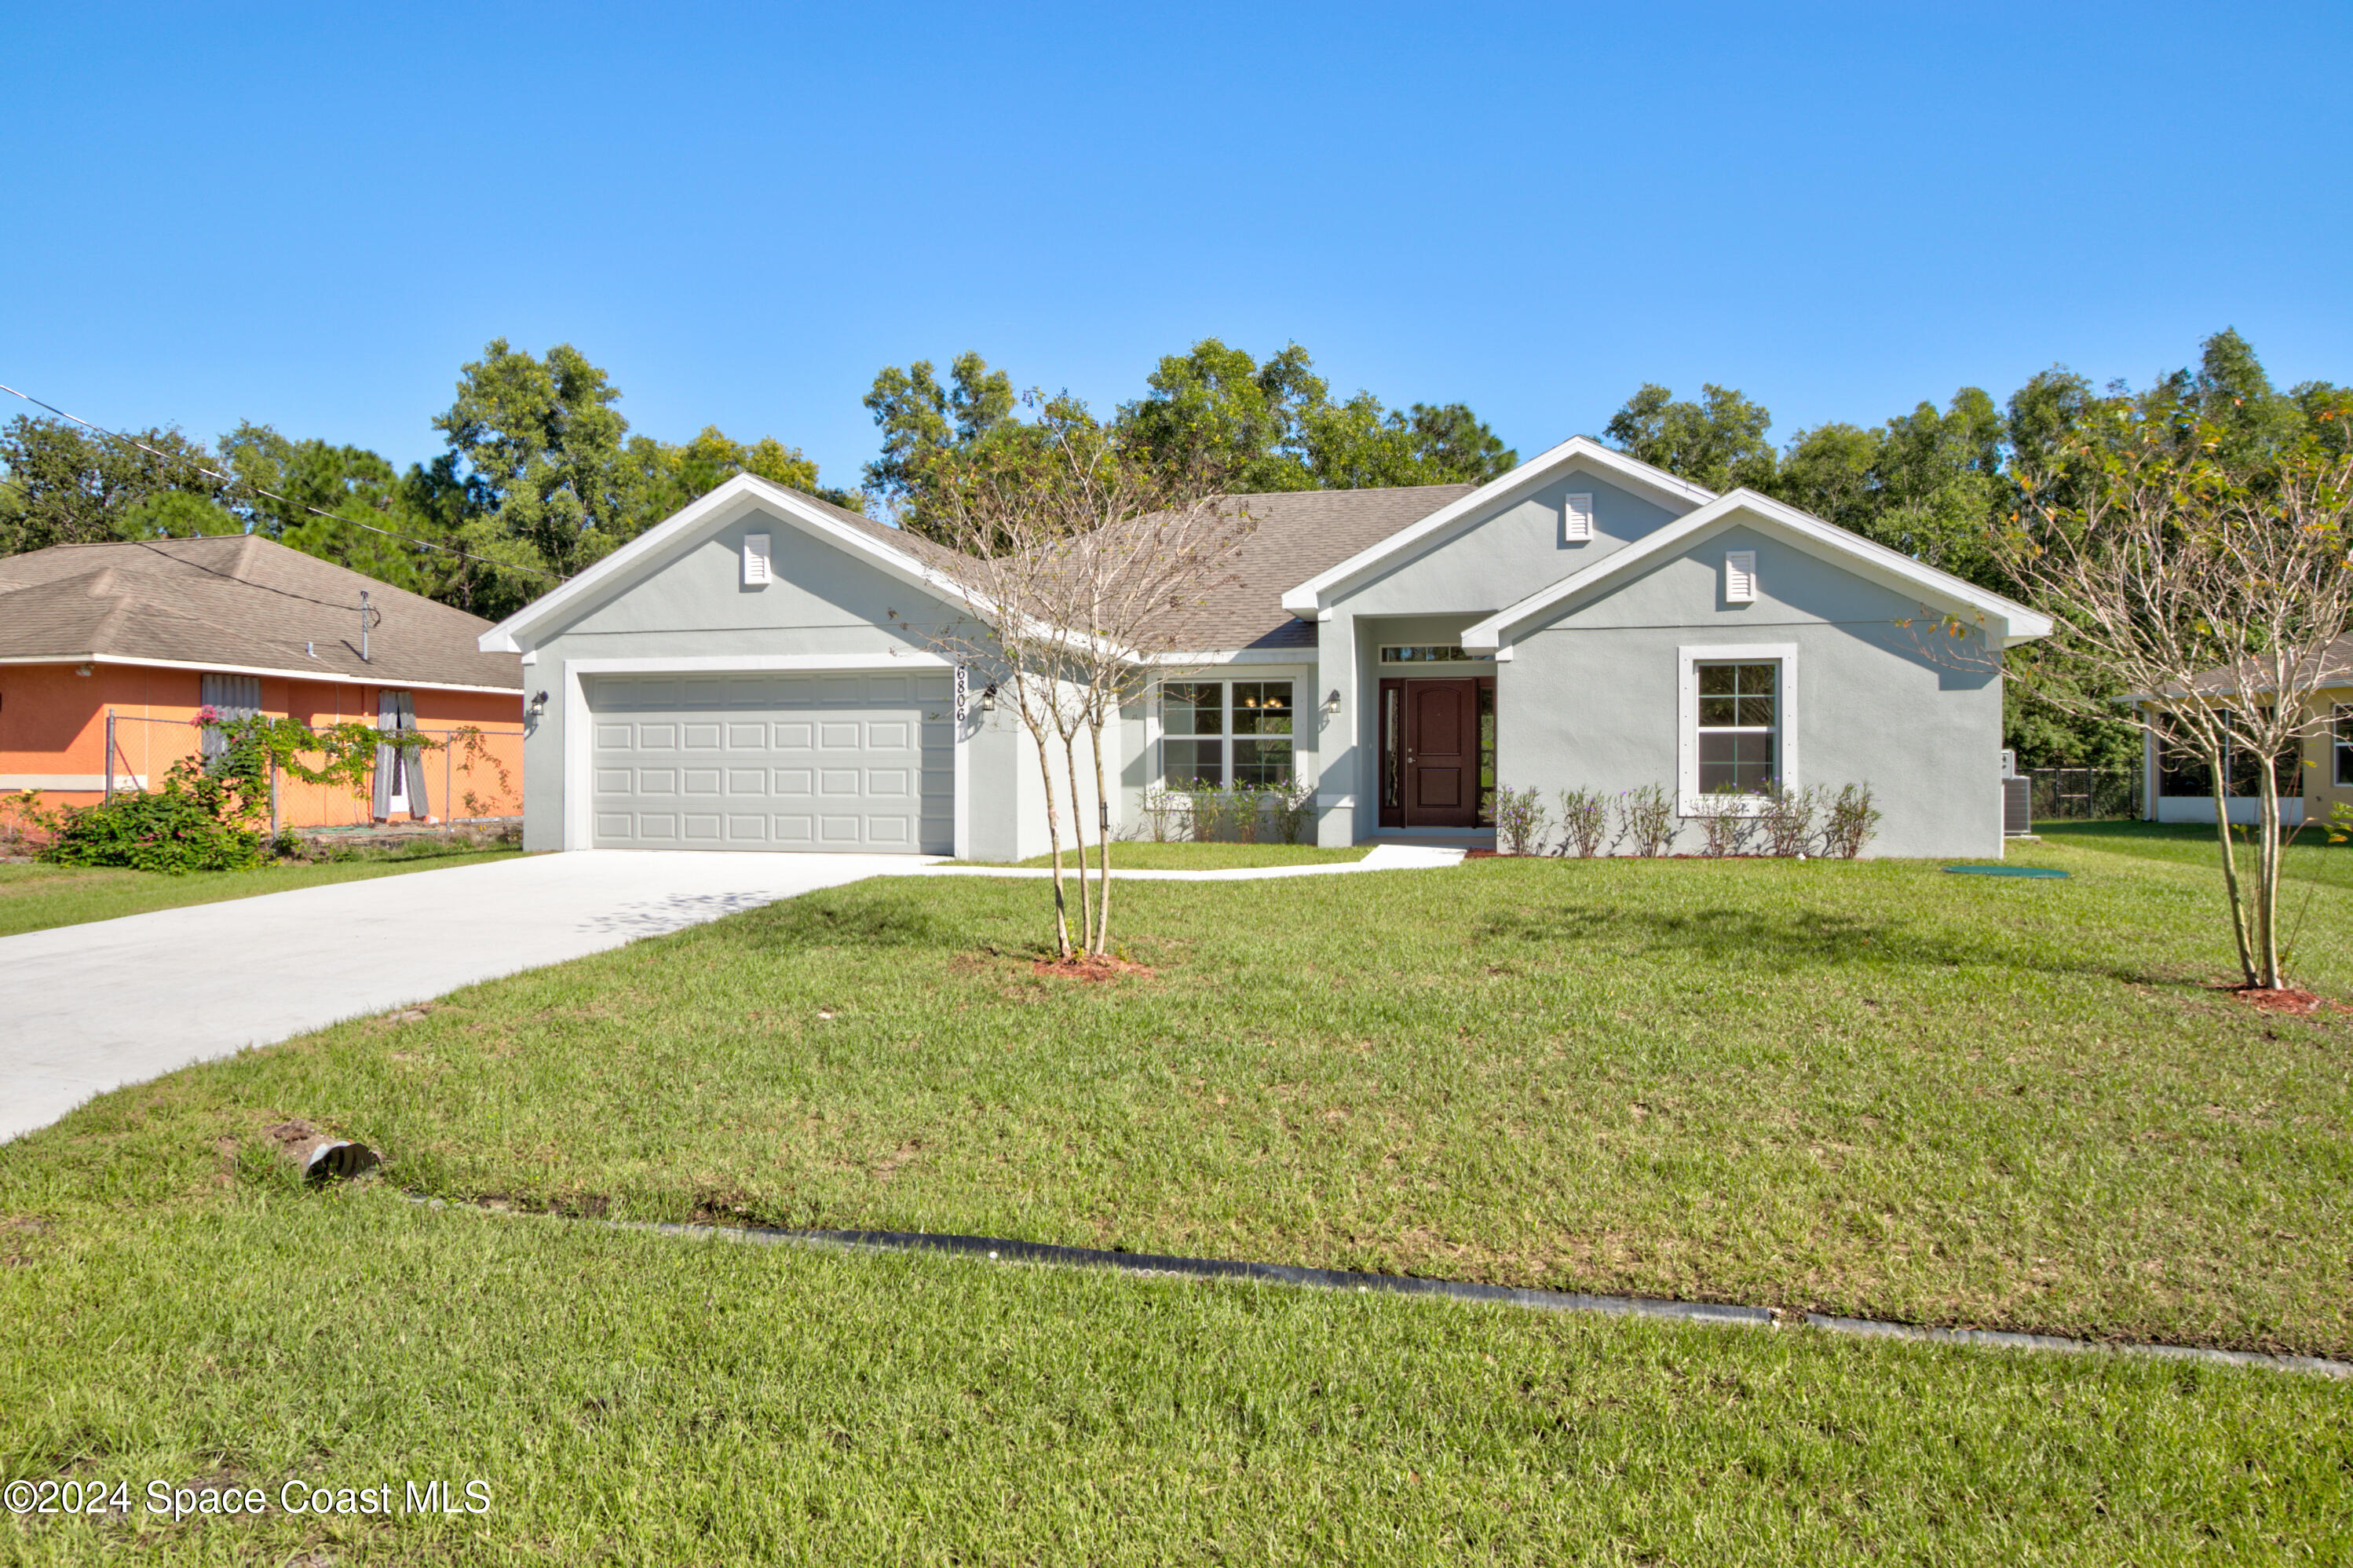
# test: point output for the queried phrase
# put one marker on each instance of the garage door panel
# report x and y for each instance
(865, 763)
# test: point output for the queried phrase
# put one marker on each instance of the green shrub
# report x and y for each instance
(1294, 808)
(198, 820)
(1520, 819)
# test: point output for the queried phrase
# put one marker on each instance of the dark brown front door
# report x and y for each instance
(1441, 754)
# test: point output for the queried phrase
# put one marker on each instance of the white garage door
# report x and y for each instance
(851, 761)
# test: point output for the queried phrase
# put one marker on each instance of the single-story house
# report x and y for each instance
(2310, 779)
(765, 670)
(109, 654)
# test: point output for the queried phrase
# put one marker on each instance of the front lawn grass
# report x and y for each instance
(36, 898)
(1858, 1087)
(2310, 857)
(631, 1398)
(1204, 857)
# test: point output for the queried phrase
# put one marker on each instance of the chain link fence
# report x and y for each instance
(478, 769)
(2076, 794)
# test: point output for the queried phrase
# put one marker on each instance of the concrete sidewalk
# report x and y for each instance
(1384, 857)
(88, 1008)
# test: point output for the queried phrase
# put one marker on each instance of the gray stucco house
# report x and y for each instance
(753, 673)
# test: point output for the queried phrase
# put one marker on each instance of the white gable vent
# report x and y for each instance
(1739, 576)
(1577, 519)
(756, 560)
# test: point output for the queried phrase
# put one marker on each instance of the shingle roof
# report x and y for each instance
(234, 599)
(1295, 534)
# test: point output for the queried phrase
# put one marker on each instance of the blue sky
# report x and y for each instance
(310, 218)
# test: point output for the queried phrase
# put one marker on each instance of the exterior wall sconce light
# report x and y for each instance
(82, 670)
(538, 704)
(989, 698)
(1332, 703)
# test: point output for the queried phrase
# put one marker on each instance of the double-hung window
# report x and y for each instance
(1226, 732)
(2343, 745)
(1736, 713)
(1739, 728)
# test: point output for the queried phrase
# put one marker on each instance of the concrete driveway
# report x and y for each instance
(89, 1008)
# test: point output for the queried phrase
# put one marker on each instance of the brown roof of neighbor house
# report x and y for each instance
(235, 601)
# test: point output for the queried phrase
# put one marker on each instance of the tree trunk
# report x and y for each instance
(1054, 840)
(2267, 869)
(1102, 945)
(2239, 932)
(1079, 841)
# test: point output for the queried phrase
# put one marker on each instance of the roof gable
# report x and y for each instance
(917, 562)
(2007, 622)
(1314, 595)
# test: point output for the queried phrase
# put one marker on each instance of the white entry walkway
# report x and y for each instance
(1384, 857)
(88, 1008)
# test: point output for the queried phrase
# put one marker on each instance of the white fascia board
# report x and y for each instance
(755, 664)
(1305, 657)
(2012, 621)
(1308, 598)
(689, 524)
(324, 677)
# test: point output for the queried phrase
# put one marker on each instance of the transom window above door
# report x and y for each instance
(1221, 732)
(1432, 654)
(1739, 728)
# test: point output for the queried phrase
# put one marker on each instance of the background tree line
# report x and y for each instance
(541, 475)
(1941, 484)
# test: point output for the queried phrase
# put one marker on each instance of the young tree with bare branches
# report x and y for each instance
(1084, 553)
(2209, 585)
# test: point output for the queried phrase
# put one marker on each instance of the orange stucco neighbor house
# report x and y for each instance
(131, 641)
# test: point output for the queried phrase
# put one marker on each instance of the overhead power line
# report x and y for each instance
(271, 494)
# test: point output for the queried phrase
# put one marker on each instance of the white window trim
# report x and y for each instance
(1689, 802)
(1158, 738)
(2340, 744)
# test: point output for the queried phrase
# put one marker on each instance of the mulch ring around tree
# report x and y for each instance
(2284, 998)
(1087, 967)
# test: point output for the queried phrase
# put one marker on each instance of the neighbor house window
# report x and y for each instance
(1220, 732)
(1736, 708)
(231, 698)
(2345, 744)
(1432, 654)
(1739, 728)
